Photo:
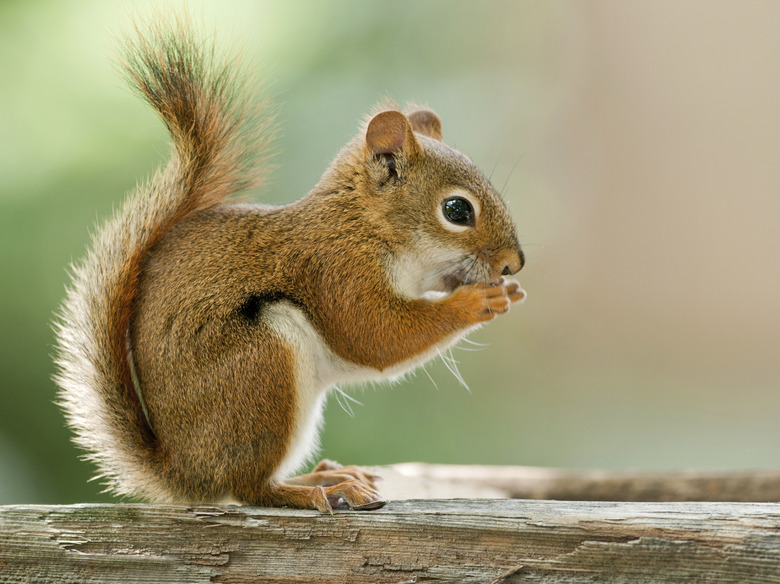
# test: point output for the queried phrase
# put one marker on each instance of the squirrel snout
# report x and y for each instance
(512, 262)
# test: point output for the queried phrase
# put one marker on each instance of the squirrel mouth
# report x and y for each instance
(475, 273)
(463, 271)
(458, 278)
(452, 281)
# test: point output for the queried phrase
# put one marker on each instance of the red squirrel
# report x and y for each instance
(199, 338)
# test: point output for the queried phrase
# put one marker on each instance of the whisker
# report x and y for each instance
(509, 176)
(447, 265)
(452, 365)
(474, 264)
(343, 406)
(344, 400)
(469, 349)
(455, 364)
(495, 166)
(451, 262)
(451, 265)
(429, 377)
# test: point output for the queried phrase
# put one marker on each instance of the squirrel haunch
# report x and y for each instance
(199, 337)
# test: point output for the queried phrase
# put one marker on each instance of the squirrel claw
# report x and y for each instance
(321, 501)
(378, 504)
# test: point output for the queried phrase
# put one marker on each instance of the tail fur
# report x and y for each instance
(219, 137)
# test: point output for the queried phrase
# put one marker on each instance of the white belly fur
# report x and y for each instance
(318, 369)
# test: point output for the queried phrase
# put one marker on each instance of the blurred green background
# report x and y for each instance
(637, 144)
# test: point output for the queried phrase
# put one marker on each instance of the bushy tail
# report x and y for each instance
(219, 137)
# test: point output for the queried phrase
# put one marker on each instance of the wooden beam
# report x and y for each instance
(419, 480)
(433, 541)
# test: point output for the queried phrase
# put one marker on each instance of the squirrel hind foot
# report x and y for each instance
(336, 487)
(328, 473)
(355, 494)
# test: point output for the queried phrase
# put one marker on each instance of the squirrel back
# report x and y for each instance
(219, 136)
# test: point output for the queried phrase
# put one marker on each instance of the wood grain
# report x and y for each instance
(435, 541)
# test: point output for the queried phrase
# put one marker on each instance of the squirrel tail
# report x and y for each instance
(219, 137)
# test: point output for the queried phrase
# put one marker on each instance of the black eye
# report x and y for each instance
(459, 211)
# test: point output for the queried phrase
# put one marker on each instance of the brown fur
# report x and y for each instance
(193, 298)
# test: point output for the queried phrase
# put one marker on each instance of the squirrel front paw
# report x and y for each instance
(513, 290)
(483, 302)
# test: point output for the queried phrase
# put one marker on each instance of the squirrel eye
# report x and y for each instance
(459, 211)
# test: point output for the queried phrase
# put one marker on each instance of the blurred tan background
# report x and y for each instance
(638, 146)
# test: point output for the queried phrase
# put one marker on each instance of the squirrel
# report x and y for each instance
(200, 336)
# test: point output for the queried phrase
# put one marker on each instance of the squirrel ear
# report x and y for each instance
(390, 132)
(427, 123)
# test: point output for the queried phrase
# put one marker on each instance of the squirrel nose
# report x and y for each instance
(514, 263)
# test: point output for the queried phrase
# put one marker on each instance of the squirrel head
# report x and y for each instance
(453, 226)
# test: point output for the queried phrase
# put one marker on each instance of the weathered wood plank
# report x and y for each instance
(419, 480)
(463, 541)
